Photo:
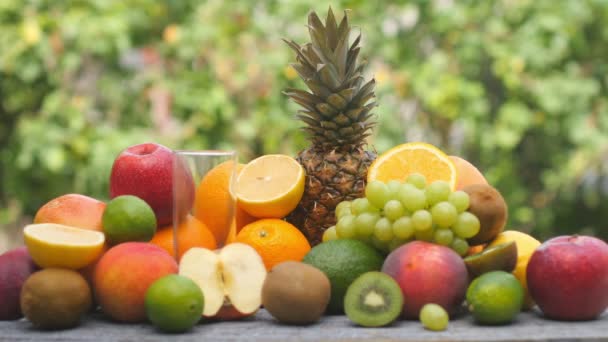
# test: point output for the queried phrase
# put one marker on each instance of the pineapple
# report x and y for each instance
(338, 119)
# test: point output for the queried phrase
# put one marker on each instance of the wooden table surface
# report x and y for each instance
(529, 326)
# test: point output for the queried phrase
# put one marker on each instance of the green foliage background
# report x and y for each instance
(518, 87)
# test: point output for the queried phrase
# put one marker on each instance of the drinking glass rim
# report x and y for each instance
(212, 153)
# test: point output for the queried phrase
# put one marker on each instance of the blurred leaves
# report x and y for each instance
(518, 87)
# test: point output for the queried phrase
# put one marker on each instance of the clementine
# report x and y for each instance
(190, 233)
(73, 210)
(275, 240)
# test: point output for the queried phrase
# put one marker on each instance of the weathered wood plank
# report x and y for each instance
(529, 327)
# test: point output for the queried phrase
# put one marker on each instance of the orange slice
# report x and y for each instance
(416, 157)
(56, 245)
(270, 186)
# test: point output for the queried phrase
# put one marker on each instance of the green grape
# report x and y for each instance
(460, 246)
(418, 180)
(466, 226)
(444, 214)
(438, 191)
(443, 237)
(393, 188)
(396, 243)
(422, 220)
(346, 227)
(365, 224)
(434, 317)
(393, 210)
(362, 205)
(383, 230)
(378, 244)
(403, 228)
(412, 198)
(460, 200)
(330, 234)
(343, 212)
(377, 193)
(343, 205)
(425, 235)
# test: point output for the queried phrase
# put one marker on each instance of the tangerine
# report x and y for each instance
(275, 240)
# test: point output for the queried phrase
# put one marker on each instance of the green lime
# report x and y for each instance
(174, 303)
(495, 298)
(128, 218)
(343, 261)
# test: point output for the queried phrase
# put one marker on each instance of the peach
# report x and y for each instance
(466, 173)
(72, 210)
(427, 273)
(123, 275)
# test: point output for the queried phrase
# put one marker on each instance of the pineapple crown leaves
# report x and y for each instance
(337, 110)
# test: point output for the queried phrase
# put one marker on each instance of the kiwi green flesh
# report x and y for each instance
(502, 257)
(373, 300)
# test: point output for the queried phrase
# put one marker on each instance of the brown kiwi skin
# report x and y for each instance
(490, 208)
(296, 293)
(55, 298)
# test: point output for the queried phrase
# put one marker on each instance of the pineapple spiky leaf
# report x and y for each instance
(337, 114)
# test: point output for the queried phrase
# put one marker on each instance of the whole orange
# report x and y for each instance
(190, 233)
(214, 206)
(72, 210)
(275, 240)
(466, 173)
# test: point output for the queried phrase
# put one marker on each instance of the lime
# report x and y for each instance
(343, 261)
(128, 218)
(526, 245)
(174, 303)
(495, 298)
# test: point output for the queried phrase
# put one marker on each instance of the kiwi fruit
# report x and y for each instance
(55, 298)
(296, 293)
(488, 205)
(374, 299)
(502, 257)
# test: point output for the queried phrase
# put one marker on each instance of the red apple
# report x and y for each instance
(146, 171)
(568, 277)
(427, 273)
(15, 267)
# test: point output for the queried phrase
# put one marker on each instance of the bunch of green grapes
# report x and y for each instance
(395, 213)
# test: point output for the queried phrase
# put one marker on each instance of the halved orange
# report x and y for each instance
(57, 245)
(270, 186)
(415, 157)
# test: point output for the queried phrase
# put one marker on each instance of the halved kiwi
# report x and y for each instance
(373, 300)
(502, 257)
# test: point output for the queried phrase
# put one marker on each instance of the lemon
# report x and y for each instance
(526, 245)
(57, 245)
(270, 186)
(415, 157)
(495, 298)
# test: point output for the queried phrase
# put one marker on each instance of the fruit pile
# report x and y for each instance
(411, 233)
